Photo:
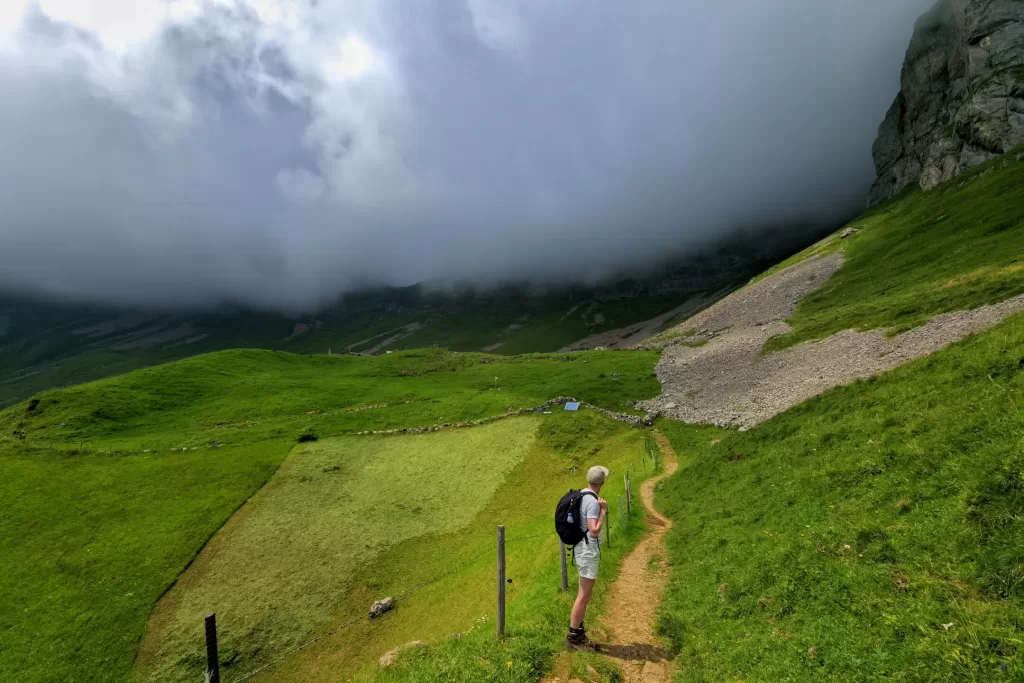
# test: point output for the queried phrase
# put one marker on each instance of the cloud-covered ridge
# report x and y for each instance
(276, 152)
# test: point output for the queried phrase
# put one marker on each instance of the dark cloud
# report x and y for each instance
(274, 153)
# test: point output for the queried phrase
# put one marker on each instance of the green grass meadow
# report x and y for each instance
(250, 396)
(873, 533)
(465, 650)
(332, 508)
(354, 519)
(956, 247)
(123, 481)
(89, 542)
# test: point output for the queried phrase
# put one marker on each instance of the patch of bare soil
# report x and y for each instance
(632, 608)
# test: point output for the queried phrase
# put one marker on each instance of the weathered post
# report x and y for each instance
(565, 571)
(212, 660)
(501, 581)
(622, 512)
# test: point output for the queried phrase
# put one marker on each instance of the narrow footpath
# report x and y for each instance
(630, 614)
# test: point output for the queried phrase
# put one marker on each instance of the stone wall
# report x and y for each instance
(633, 420)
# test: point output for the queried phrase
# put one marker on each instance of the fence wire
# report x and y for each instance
(366, 617)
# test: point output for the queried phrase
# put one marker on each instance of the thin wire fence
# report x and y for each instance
(650, 449)
(366, 617)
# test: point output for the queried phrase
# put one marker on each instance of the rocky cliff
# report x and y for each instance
(962, 95)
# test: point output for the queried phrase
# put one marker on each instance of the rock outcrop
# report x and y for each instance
(962, 96)
(381, 606)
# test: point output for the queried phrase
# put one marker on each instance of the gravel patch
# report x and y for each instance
(728, 382)
(769, 300)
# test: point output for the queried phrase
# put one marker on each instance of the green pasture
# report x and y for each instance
(89, 542)
(123, 481)
(958, 246)
(873, 533)
(349, 520)
(250, 396)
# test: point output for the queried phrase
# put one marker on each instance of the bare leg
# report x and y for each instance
(579, 608)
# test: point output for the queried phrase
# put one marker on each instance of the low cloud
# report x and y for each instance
(277, 152)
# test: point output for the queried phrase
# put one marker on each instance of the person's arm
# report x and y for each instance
(595, 525)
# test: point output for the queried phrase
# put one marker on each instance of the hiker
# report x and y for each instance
(587, 511)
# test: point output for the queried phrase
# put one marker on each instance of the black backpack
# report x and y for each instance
(567, 517)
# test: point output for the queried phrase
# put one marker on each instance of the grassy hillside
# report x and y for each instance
(39, 352)
(117, 509)
(331, 509)
(353, 519)
(958, 246)
(250, 396)
(874, 533)
(89, 542)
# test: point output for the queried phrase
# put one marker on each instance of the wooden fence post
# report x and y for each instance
(565, 572)
(501, 581)
(622, 512)
(212, 660)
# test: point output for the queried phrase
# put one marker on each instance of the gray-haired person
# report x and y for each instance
(593, 512)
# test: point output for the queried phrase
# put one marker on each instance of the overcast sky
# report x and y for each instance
(278, 152)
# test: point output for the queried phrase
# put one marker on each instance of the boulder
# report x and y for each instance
(381, 606)
(390, 657)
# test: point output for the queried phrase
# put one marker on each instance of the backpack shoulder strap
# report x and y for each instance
(586, 534)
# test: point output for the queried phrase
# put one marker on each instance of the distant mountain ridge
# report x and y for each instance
(961, 100)
(45, 345)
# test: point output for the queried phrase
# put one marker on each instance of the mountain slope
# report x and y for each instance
(111, 488)
(48, 345)
(873, 533)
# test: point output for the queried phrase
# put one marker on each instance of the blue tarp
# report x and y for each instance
(572, 406)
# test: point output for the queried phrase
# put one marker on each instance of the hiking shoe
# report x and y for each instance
(577, 640)
(581, 644)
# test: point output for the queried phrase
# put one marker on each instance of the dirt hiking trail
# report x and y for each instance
(630, 615)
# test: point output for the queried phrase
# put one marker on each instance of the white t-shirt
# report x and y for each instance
(589, 509)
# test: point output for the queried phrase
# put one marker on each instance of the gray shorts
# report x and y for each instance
(588, 557)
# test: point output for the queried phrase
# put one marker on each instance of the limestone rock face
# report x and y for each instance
(961, 100)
